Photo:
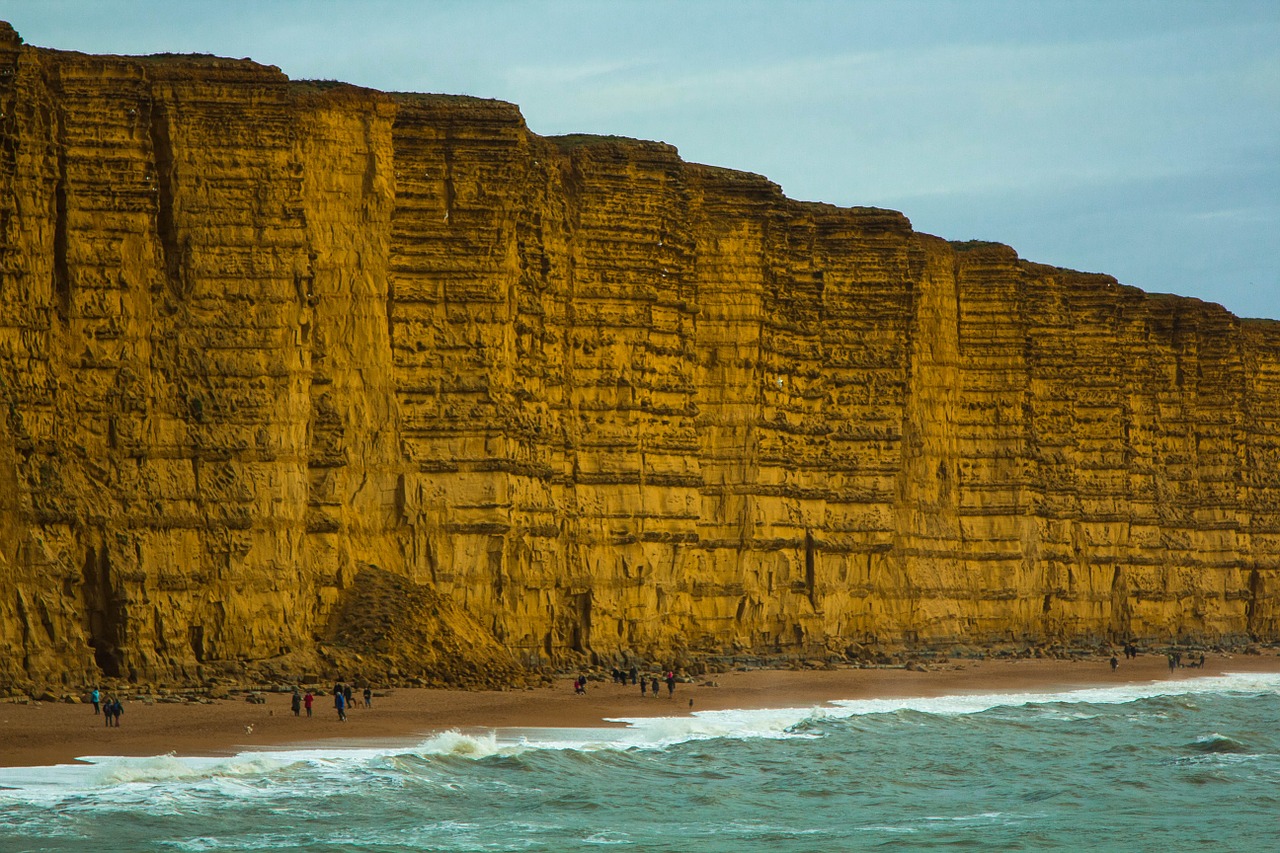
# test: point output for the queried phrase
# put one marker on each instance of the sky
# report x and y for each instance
(1137, 138)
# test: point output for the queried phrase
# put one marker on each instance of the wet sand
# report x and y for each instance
(58, 733)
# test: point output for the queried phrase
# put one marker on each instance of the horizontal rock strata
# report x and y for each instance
(261, 338)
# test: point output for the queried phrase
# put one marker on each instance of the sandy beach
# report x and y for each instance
(58, 733)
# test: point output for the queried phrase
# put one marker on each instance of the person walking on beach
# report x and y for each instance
(634, 672)
(106, 712)
(644, 687)
(340, 702)
(653, 685)
(1172, 663)
(368, 696)
(295, 703)
(95, 697)
(1115, 663)
(307, 700)
(671, 683)
(346, 694)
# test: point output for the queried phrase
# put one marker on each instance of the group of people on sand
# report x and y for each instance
(299, 700)
(649, 684)
(111, 709)
(669, 677)
(1174, 658)
(1175, 661)
(344, 697)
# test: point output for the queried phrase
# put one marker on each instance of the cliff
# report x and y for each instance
(298, 375)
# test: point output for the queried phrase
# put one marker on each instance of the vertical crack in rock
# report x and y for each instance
(809, 568)
(61, 271)
(172, 248)
(102, 611)
(1251, 603)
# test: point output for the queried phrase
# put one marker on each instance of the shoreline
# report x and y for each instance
(42, 734)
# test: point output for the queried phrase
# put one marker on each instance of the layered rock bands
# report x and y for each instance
(269, 347)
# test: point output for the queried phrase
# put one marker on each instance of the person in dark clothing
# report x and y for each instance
(634, 673)
(295, 703)
(671, 683)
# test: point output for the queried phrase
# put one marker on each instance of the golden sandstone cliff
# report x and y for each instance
(291, 371)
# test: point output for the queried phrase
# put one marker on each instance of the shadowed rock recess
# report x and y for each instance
(298, 374)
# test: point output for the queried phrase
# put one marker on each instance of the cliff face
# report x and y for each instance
(287, 364)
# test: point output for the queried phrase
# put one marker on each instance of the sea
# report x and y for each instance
(1191, 764)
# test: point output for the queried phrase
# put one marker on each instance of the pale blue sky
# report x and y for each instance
(1140, 139)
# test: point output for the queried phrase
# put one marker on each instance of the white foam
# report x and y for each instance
(778, 723)
(463, 745)
(27, 784)
(169, 768)
(1251, 683)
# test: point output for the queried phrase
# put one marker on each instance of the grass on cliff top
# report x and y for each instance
(327, 83)
(569, 141)
(971, 245)
(450, 98)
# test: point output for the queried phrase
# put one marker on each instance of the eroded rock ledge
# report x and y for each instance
(567, 397)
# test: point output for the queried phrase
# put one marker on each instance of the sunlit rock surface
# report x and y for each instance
(289, 368)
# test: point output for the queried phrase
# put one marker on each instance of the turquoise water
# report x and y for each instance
(1186, 765)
